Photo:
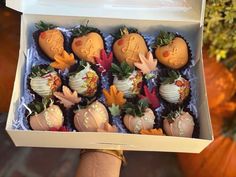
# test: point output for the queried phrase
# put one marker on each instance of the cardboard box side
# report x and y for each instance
(205, 121)
(94, 140)
(18, 87)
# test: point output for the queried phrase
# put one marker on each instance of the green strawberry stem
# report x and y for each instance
(172, 76)
(123, 71)
(173, 115)
(124, 31)
(37, 107)
(136, 109)
(42, 26)
(39, 71)
(83, 30)
(164, 38)
(81, 66)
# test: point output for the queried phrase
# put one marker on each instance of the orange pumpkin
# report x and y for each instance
(218, 159)
(220, 82)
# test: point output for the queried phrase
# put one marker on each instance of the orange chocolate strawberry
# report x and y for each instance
(129, 45)
(171, 51)
(87, 43)
(51, 40)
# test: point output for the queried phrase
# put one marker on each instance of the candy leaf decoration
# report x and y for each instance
(123, 71)
(67, 97)
(63, 61)
(151, 97)
(174, 89)
(44, 80)
(84, 80)
(129, 45)
(152, 132)
(108, 128)
(179, 123)
(171, 51)
(91, 118)
(114, 96)
(104, 61)
(136, 109)
(51, 40)
(45, 115)
(61, 129)
(115, 110)
(138, 116)
(147, 64)
(87, 43)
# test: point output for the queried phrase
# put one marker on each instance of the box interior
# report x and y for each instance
(191, 30)
(172, 10)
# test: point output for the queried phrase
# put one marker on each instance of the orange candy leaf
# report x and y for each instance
(108, 128)
(152, 132)
(147, 63)
(114, 96)
(63, 61)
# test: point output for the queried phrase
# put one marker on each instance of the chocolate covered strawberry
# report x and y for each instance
(44, 80)
(179, 123)
(87, 43)
(127, 79)
(129, 46)
(50, 40)
(45, 115)
(174, 88)
(171, 50)
(138, 116)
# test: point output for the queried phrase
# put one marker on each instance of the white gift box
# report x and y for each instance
(183, 16)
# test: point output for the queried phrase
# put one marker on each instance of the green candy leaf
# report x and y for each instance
(115, 110)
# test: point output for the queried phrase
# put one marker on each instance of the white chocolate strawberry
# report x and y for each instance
(85, 81)
(44, 81)
(126, 79)
(175, 88)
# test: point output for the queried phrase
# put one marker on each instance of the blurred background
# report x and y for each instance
(218, 160)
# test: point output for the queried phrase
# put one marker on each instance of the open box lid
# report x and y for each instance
(168, 10)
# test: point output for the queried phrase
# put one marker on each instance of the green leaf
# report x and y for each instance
(42, 26)
(136, 109)
(39, 71)
(123, 31)
(123, 71)
(164, 38)
(172, 76)
(83, 30)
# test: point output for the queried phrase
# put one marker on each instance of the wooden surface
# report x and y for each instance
(9, 47)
